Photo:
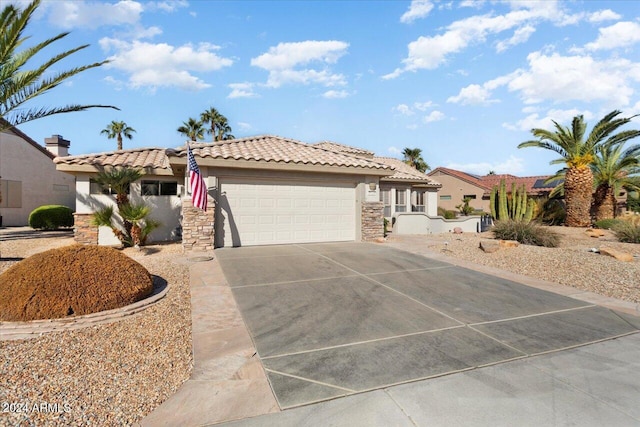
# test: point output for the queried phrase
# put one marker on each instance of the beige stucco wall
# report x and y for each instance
(457, 189)
(42, 184)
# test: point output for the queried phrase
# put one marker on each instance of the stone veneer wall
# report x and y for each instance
(372, 220)
(197, 226)
(83, 231)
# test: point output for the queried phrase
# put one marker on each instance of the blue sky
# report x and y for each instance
(465, 81)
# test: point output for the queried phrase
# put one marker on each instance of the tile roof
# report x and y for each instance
(472, 179)
(154, 158)
(341, 148)
(404, 172)
(267, 148)
(487, 182)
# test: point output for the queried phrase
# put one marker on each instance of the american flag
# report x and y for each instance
(196, 182)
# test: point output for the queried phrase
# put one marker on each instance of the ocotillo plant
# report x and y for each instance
(515, 206)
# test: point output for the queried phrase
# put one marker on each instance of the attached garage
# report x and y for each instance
(267, 212)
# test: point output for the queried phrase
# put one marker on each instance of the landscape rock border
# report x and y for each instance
(36, 328)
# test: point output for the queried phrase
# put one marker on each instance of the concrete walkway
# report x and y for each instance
(590, 385)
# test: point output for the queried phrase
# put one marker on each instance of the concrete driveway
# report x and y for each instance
(329, 320)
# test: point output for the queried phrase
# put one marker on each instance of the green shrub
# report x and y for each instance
(609, 224)
(51, 217)
(633, 204)
(446, 213)
(627, 232)
(550, 211)
(527, 233)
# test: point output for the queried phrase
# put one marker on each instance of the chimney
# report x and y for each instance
(57, 145)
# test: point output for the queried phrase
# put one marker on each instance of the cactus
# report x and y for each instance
(515, 206)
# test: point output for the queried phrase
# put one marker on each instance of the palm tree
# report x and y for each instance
(613, 169)
(192, 129)
(211, 117)
(578, 153)
(413, 157)
(118, 130)
(19, 85)
(224, 130)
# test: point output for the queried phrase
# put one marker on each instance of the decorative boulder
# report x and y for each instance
(490, 246)
(619, 255)
(509, 243)
(457, 230)
(73, 280)
(595, 233)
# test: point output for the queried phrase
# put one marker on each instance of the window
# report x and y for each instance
(385, 198)
(401, 201)
(445, 197)
(469, 196)
(95, 188)
(419, 207)
(159, 188)
(11, 192)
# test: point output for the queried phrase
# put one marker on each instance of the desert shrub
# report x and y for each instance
(609, 224)
(550, 211)
(527, 233)
(447, 214)
(51, 217)
(627, 232)
(72, 280)
(633, 204)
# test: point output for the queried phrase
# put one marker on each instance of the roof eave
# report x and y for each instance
(75, 169)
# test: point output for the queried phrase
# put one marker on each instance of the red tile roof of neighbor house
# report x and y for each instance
(533, 184)
(268, 148)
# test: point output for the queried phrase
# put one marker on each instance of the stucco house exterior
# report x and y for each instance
(28, 176)
(457, 185)
(262, 190)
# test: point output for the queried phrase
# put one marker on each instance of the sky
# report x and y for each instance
(464, 81)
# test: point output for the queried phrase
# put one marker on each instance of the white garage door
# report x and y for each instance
(277, 212)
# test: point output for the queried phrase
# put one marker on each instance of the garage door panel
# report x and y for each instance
(284, 212)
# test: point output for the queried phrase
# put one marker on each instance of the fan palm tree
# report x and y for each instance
(117, 130)
(211, 117)
(413, 157)
(224, 130)
(578, 153)
(613, 169)
(192, 129)
(19, 85)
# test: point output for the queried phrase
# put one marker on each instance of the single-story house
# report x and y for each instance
(262, 190)
(458, 185)
(28, 176)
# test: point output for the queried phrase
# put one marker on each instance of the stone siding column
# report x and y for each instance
(372, 220)
(197, 226)
(83, 231)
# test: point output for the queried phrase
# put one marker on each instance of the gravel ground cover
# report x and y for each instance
(571, 264)
(105, 375)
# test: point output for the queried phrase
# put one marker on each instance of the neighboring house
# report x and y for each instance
(263, 190)
(457, 185)
(28, 176)
(407, 190)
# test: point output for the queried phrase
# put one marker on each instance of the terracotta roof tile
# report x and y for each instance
(487, 182)
(472, 179)
(276, 149)
(155, 158)
(342, 148)
(404, 172)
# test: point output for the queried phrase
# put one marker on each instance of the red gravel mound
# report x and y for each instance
(72, 280)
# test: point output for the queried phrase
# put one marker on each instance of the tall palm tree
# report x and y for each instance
(413, 157)
(224, 130)
(613, 169)
(211, 117)
(19, 85)
(117, 130)
(192, 129)
(578, 153)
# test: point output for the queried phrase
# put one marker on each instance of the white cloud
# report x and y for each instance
(418, 9)
(242, 90)
(430, 52)
(603, 15)
(403, 109)
(163, 65)
(534, 120)
(423, 106)
(560, 78)
(434, 116)
(244, 126)
(394, 150)
(513, 165)
(521, 35)
(335, 94)
(83, 14)
(166, 6)
(620, 34)
(282, 60)
(476, 4)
